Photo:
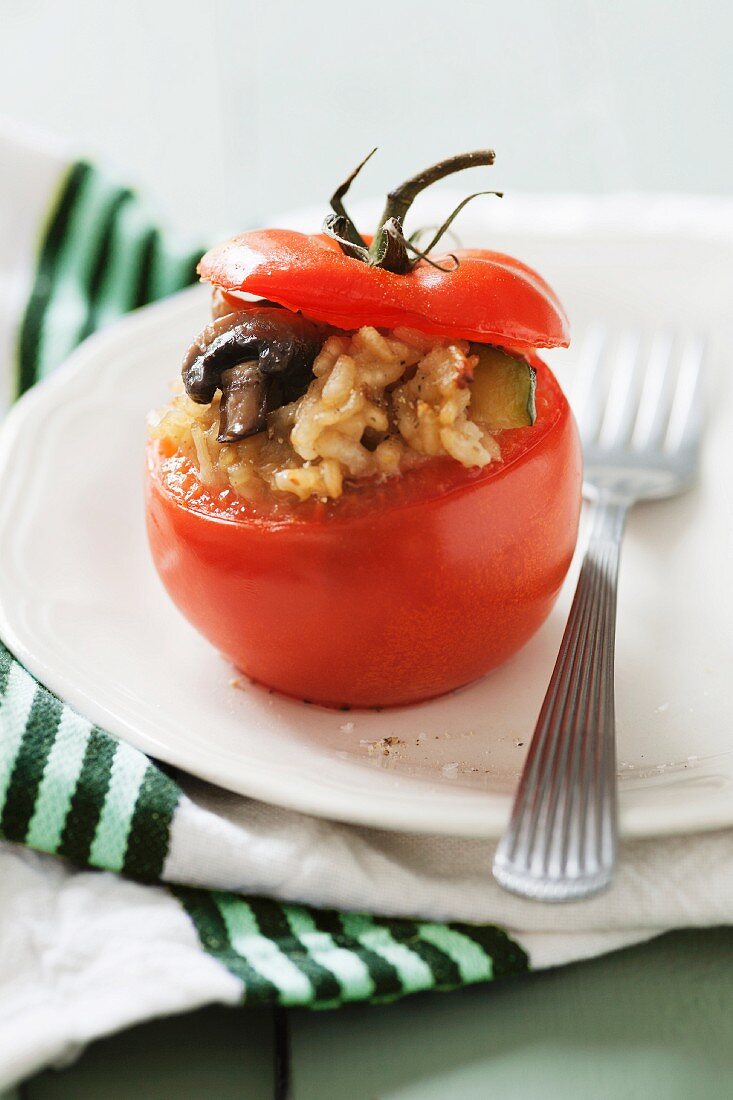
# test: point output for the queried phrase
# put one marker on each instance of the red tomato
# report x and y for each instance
(392, 594)
(489, 297)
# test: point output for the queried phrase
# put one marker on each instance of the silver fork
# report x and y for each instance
(640, 442)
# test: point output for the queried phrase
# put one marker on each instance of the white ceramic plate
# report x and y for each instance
(81, 606)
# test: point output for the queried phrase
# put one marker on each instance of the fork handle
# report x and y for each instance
(561, 841)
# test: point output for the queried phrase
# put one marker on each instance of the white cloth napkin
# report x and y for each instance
(661, 884)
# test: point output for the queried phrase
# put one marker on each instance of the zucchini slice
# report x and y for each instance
(502, 391)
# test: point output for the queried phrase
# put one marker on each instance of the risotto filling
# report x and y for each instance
(379, 404)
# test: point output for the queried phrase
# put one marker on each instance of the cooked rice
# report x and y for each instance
(379, 405)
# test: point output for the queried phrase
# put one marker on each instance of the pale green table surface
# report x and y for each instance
(654, 1021)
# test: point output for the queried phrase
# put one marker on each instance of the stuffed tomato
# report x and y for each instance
(367, 490)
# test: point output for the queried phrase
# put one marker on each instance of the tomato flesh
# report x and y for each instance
(395, 592)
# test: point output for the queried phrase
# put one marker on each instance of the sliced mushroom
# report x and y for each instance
(260, 359)
(243, 402)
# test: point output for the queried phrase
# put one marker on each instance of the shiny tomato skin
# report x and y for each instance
(384, 605)
(489, 297)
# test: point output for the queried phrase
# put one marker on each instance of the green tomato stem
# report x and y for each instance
(401, 198)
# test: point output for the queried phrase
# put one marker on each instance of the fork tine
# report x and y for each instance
(685, 418)
(656, 394)
(623, 394)
(587, 394)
